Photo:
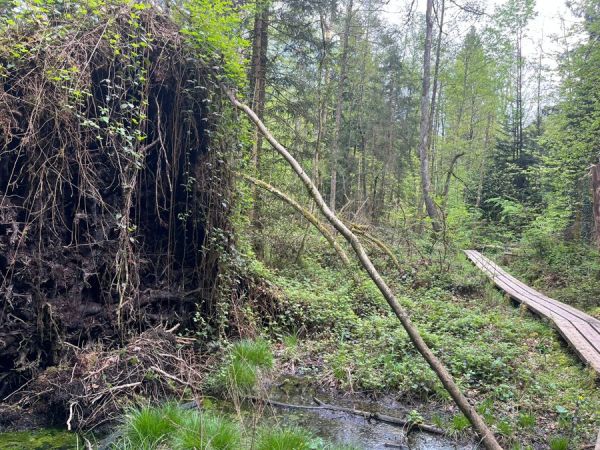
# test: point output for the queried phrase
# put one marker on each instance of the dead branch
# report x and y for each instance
(436, 365)
(305, 213)
(448, 178)
(408, 425)
(361, 231)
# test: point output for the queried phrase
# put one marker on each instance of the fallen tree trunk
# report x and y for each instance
(487, 437)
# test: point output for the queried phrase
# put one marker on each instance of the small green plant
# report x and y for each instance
(147, 427)
(505, 428)
(414, 417)
(460, 422)
(526, 420)
(283, 439)
(559, 443)
(241, 375)
(245, 360)
(254, 352)
(290, 341)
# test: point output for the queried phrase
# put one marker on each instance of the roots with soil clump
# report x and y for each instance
(114, 196)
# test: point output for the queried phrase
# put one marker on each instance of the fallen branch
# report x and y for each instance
(379, 243)
(408, 425)
(305, 212)
(487, 437)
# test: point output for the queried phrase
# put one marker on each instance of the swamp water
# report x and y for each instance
(330, 426)
(344, 428)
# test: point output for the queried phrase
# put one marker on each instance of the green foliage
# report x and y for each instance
(559, 443)
(460, 423)
(168, 426)
(215, 28)
(526, 420)
(244, 363)
(255, 353)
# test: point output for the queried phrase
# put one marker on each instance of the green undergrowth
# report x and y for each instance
(169, 426)
(529, 386)
(566, 271)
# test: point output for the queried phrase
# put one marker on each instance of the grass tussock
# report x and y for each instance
(170, 427)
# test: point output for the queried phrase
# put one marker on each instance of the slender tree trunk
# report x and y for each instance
(596, 197)
(335, 150)
(258, 84)
(436, 71)
(430, 206)
(486, 435)
(323, 97)
(486, 144)
(449, 178)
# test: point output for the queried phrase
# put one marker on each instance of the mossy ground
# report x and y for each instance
(40, 440)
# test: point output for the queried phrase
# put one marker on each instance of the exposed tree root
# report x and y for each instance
(114, 187)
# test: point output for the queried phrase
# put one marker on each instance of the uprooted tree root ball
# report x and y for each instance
(114, 190)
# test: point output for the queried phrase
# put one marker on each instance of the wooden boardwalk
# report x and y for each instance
(579, 329)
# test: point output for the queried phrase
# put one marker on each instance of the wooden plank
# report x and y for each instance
(528, 294)
(580, 330)
(535, 294)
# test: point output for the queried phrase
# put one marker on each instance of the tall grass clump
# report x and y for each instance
(147, 427)
(245, 361)
(169, 426)
(283, 439)
(207, 431)
(256, 353)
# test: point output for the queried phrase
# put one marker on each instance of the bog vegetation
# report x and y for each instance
(159, 256)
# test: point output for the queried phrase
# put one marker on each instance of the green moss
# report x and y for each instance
(40, 440)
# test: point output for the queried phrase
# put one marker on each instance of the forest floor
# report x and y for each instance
(525, 380)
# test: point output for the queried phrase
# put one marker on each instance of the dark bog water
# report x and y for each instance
(344, 428)
(330, 426)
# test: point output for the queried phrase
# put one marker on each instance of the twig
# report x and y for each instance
(71, 404)
(168, 375)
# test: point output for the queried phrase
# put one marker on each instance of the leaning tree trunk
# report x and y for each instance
(487, 437)
(449, 178)
(596, 198)
(425, 126)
